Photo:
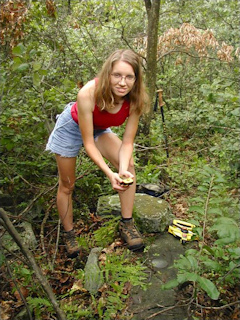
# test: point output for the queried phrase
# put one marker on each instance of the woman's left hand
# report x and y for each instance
(116, 180)
(126, 174)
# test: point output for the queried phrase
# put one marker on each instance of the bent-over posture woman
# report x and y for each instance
(117, 94)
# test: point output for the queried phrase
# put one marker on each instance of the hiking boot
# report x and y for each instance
(71, 244)
(131, 235)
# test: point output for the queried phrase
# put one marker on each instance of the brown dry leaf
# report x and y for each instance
(103, 288)
(112, 246)
(102, 258)
(118, 243)
(24, 292)
(127, 288)
(78, 286)
(187, 37)
(180, 210)
(94, 218)
(6, 309)
(64, 278)
(12, 17)
(236, 314)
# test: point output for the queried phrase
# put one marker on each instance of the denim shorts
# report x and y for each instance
(66, 138)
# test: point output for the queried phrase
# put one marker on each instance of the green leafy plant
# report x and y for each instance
(45, 70)
(39, 306)
(75, 311)
(119, 272)
(210, 267)
(106, 234)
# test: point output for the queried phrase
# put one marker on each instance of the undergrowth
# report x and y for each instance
(213, 266)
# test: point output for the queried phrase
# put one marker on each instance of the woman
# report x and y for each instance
(117, 94)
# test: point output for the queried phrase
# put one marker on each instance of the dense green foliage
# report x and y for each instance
(60, 50)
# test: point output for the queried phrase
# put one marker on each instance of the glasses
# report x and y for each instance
(118, 77)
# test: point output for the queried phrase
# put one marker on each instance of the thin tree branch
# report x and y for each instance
(39, 274)
(35, 199)
(205, 213)
(18, 289)
(15, 255)
(185, 52)
(230, 271)
(57, 242)
(166, 309)
(42, 227)
(218, 308)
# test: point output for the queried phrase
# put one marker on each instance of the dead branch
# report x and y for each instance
(57, 242)
(27, 253)
(177, 305)
(15, 255)
(218, 308)
(18, 289)
(42, 227)
(43, 192)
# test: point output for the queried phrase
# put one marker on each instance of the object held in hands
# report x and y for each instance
(127, 181)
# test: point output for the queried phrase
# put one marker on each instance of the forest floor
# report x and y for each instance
(64, 274)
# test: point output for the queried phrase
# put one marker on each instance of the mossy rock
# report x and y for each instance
(151, 214)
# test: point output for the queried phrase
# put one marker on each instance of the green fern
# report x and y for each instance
(38, 302)
(106, 234)
(38, 305)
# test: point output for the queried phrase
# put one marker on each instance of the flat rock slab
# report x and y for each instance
(159, 258)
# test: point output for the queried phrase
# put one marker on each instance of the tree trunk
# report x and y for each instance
(153, 9)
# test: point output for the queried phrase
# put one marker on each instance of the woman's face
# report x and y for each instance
(122, 79)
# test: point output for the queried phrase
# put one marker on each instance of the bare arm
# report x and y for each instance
(85, 101)
(126, 149)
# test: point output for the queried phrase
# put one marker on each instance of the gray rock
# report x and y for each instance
(93, 278)
(160, 257)
(159, 263)
(108, 205)
(26, 233)
(151, 214)
(152, 189)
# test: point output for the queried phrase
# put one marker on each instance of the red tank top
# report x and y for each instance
(104, 119)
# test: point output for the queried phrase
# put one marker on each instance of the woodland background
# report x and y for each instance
(190, 50)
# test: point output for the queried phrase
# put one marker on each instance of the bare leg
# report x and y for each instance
(66, 170)
(127, 197)
(109, 145)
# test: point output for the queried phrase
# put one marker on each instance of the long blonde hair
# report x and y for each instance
(137, 97)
